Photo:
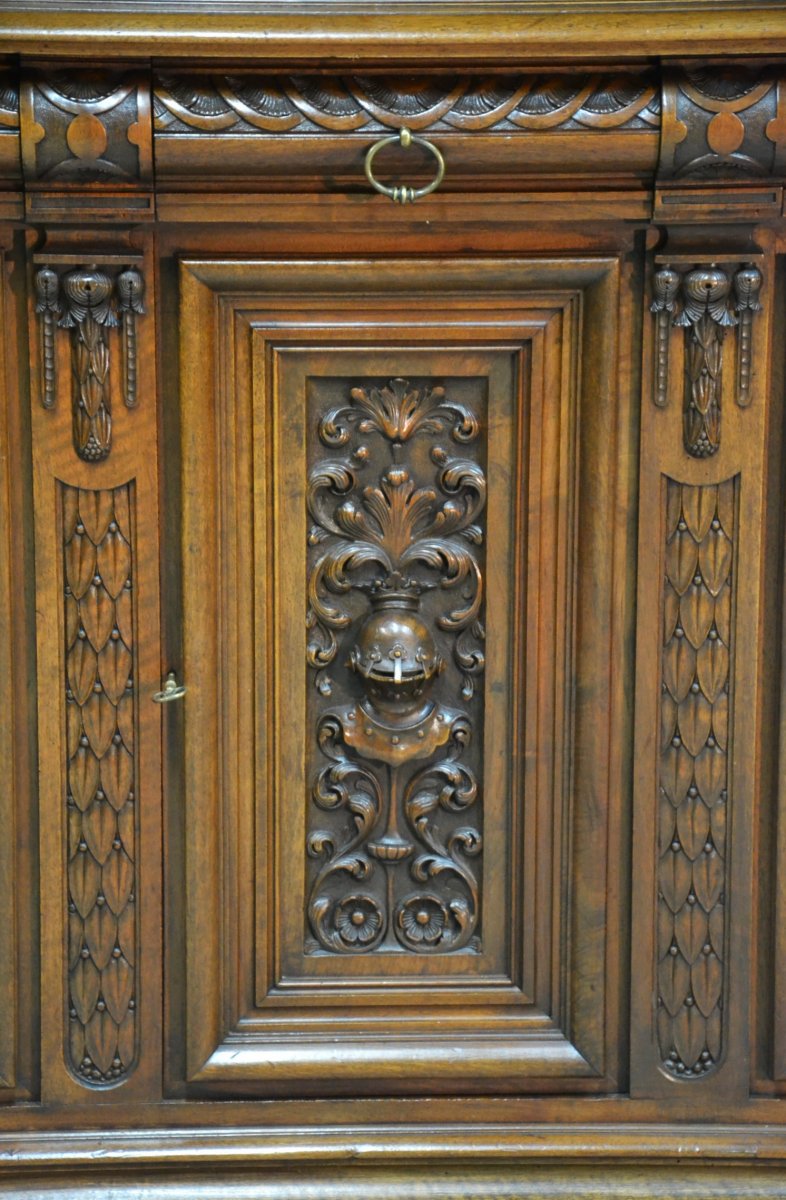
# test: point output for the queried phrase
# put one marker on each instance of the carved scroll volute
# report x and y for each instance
(89, 301)
(402, 879)
(706, 302)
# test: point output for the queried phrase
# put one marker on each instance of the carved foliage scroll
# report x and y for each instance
(721, 121)
(83, 127)
(275, 104)
(101, 790)
(395, 644)
(89, 301)
(697, 661)
(706, 301)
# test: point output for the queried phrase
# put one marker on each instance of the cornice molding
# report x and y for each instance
(393, 32)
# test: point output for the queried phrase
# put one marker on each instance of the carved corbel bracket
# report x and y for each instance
(89, 301)
(706, 301)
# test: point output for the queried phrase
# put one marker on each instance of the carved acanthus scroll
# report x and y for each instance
(697, 662)
(100, 772)
(701, 302)
(394, 867)
(89, 302)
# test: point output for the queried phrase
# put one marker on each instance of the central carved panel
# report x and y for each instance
(396, 497)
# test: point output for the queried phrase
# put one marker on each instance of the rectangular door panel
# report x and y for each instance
(395, 873)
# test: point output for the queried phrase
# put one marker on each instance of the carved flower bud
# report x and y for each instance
(88, 291)
(666, 285)
(47, 288)
(747, 284)
(706, 289)
(130, 290)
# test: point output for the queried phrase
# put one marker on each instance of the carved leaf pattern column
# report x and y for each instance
(694, 774)
(99, 692)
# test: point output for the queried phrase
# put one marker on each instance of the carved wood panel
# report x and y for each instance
(698, 742)
(96, 525)
(396, 494)
(100, 702)
(385, 495)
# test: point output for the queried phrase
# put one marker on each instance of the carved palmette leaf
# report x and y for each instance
(676, 773)
(126, 1038)
(76, 937)
(707, 982)
(698, 509)
(117, 775)
(100, 721)
(720, 720)
(693, 825)
(710, 769)
(679, 668)
(114, 563)
(124, 616)
(712, 665)
(81, 668)
(125, 721)
(99, 826)
(718, 826)
(95, 511)
(668, 720)
(72, 622)
(118, 986)
(97, 613)
(690, 931)
(84, 880)
(126, 934)
(715, 560)
(100, 932)
(118, 880)
(83, 777)
(708, 879)
(74, 831)
(671, 612)
(682, 557)
(689, 1033)
(666, 823)
(697, 611)
(114, 667)
(101, 1040)
(674, 877)
(695, 722)
(125, 827)
(85, 988)
(673, 982)
(80, 564)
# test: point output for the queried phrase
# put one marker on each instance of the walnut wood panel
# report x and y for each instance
(699, 741)
(96, 525)
(440, 30)
(552, 1012)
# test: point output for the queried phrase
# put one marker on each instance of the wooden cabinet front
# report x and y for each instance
(395, 880)
(393, 747)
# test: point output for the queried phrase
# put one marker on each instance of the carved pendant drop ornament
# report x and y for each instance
(395, 647)
(90, 301)
(706, 302)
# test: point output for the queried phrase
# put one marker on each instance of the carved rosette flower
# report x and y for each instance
(358, 920)
(421, 919)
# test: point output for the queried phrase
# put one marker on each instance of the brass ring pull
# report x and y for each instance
(404, 195)
(172, 690)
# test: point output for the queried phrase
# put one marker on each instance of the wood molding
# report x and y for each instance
(480, 33)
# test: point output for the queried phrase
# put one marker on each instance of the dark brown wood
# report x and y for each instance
(393, 594)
